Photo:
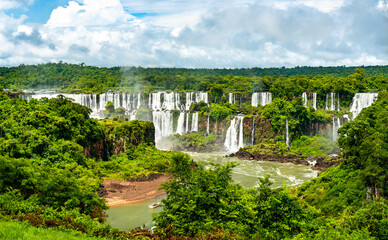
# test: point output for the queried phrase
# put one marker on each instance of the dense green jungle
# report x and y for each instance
(54, 156)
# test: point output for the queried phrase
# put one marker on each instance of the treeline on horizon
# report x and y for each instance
(97, 79)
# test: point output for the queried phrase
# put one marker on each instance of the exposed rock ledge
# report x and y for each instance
(263, 153)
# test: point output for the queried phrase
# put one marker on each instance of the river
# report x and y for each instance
(245, 173)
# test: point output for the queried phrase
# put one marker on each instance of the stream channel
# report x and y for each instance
(245, 173)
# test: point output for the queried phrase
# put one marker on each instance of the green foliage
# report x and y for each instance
(220, 112)
(202, 200)
(139, 163)
(197, 141)
(315, 145)
(334, 190)
(17, 230)
(365, 145)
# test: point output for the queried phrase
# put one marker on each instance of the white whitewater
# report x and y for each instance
(310, 99)
(163, 124)
(181, 123)
(315, 100)
(187, 122)
(332, 102)
(234, 139)
(336, 125)
(232, 98)
(261, 98)
(161, 104)
(304, 97)
(361, 101)
(194, 122)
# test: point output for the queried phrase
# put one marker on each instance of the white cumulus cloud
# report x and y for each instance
(199, 33)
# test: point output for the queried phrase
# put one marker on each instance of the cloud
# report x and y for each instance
(202, 33)
(89, 13)
(10, 4)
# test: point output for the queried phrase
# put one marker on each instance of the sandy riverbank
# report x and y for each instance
(123, 192)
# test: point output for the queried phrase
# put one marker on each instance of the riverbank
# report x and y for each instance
(118, 193)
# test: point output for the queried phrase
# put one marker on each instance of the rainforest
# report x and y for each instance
(67, 131)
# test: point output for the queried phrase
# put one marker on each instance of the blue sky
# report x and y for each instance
(196, 33)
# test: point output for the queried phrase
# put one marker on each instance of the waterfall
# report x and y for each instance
(231, 98)
(346, 117)
(163, 124)
(208, 126)
(234, 139)
(326, 103)
(138, 100)
(361, 101)
(261, 98)
(287, 136)
(332, 104)
(304, 96)
(338, 102)
(194, 122)
(336, 125)
(312, 102)
(253, 132)
(187, 122)
(181, 123)
(315, 100)
(199, 96)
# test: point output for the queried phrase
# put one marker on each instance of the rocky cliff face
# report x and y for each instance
(121, 136)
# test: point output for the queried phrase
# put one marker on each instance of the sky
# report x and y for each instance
(195, 33)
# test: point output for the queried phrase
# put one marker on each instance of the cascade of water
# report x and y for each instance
(169, 101)
(138, 100)
(315, 100)
(163, 124)
(181, 123)
(187, 122)
(361, 101)
(304, 96)
(116, 100)
(178, 105)
(346, 117)
(336, 125)
(231, 98)
(332, 104)
(156, 103)
(189, 100)
(208, 125)
(201, 96)
(262, 98)
(338, 102)
(326, 104)
(241, 132)
(253, 132)
(194, 122)
(287, 136)
(234, 135)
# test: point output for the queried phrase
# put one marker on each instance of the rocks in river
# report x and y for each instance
(271, 152)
